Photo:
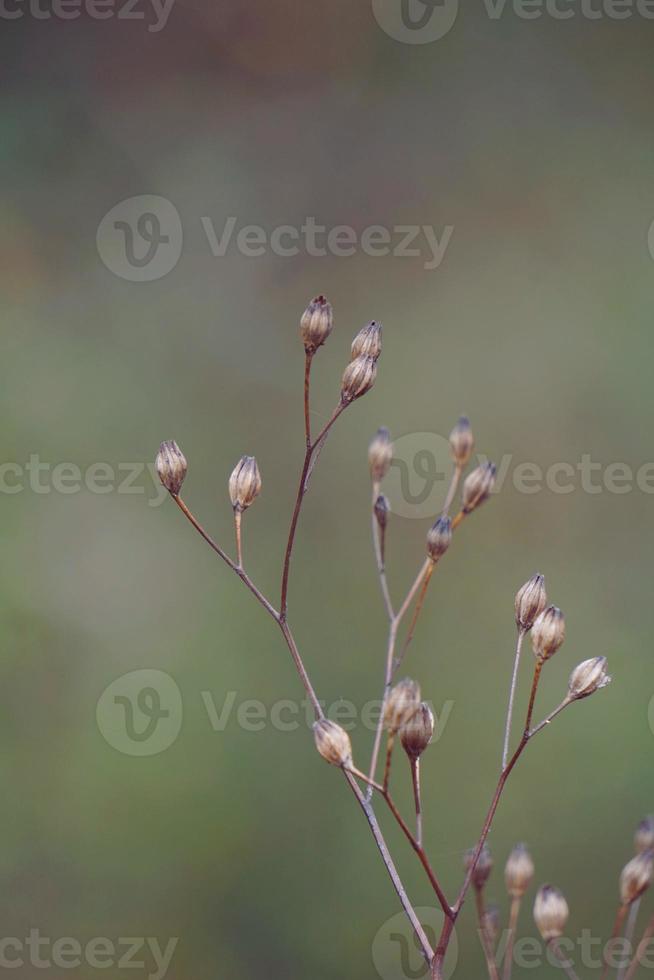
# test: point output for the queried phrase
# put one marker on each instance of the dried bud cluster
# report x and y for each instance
(548, 633)
(483, 868)
(316, 324)
(636, 877)
(333, 743)
(382, 510)
(402, 704)
(380, 455)
(439, 538)
(171, 466)
(462, 442)
(368, 341)
(550, 912)
(530, 601)
(244, 483)
(416, 733)
(478, 486)
(644, 838)
(588, 677)
(519, 871)
(359, 376)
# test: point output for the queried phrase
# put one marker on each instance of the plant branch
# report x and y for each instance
(378, 544)
(454, 482)
(641, 949)
(486, 943)
(510, 939)
(634, 909)
(565, 963)
(620, 916)
(514, 682)
(417, 797)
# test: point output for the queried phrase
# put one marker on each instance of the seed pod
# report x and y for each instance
(462, 442)
(644, 837)
(402, 704)
(358, 378)
(636, 877)
(550, 912)
(588, 677)
(244, 483)
(380, 455)
(416, 733)
(382, 510)
(171, 466)
(316, 324)
(333, 742)
(483, 868)
(519, 871)
(530, 601)
(548, 633)
(368, 341)
(439, 538)
(477, 486)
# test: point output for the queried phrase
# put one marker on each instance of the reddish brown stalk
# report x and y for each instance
(237, 527)
(378, 540)
(484, 938)
(417, 797)
(513, 925)
(620, 916)
(457, 520)
(567, 966)
(308, 359)
(641, 949)
(454, 482)
(416, 614)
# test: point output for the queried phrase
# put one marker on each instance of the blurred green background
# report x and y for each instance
(533, 139)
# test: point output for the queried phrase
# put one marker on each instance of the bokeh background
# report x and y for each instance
(533, 139)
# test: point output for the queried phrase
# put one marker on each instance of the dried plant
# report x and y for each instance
(404, 718)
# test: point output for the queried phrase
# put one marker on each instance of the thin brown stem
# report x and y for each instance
(564, 961)
(510, 939)
(620, 916)
(417, 797)
(308, 359)
(532, 697)
(485, 939)
(237, 527)
(389, 758)
(514, 683)
(552, 715)
(454, 482)
(634, 909)
(641, 949)
(416, 613)
(457, 520)
(378, 540)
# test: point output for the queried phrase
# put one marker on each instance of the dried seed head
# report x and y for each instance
(368, 341)
(588, 677)
(530, 601)
(519, 871)
(462, 441)
(171, 466)
(548, 633)
(333, 742)
(483, 868)
(382, 510)
(550, 912)
(402, 704)
(380, 455)
(439, 538)
(491, 923)
(244, 483)
(358, 378)
(477, 486)
(644, 837)
(316, 324)
(636, 877)
(417, 732)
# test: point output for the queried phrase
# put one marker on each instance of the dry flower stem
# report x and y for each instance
(486, 943)
(416, 613)
(237, 527)
(454, 482)
(641, 950)
(634, 909)
(510, 939)
(378, 540)
(389, 758)
(308, 359)
(620, 916)
(557, 711)
(417, 797)
(457, 520)
(565, 963)
(514, 683)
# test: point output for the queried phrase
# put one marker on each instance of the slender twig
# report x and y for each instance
(389, 757)
(546, 721)
(378, 538)
(514, 682)
(417, 796)
(416, 614)
(454, 482)
(485, 939)
(620, 916)
(457, 520)
(630, 929)
(308, 359)
(237, 527)
(564, 961)
(641, 949)
(510, 939)
(532, 697)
